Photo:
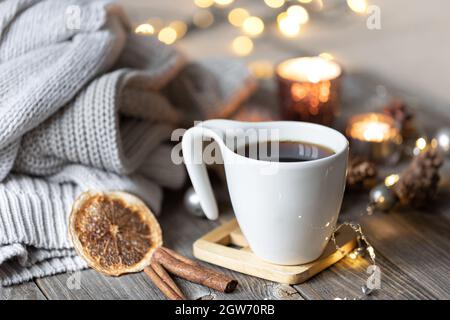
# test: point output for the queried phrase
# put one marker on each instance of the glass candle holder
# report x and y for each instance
(374, 137)
(309, 89)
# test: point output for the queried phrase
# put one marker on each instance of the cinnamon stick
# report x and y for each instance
(180, 257)
(193, 272)
(162, 285)
(186, 260)
(162, 273)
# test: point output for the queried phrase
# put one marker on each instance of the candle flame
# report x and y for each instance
(309, 69)
(372, 127)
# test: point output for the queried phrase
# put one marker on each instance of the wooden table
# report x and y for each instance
(412, 247)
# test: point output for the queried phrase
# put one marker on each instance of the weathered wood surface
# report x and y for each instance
(25, 291)
(179, 230)
(412, 247)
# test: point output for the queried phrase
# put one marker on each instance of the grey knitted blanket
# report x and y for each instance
(89, 107)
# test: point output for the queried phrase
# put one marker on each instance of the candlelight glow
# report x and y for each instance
(237, 16)
(274, 3)
(309, 69)
(326, 56)
(309, 89)
(253, 26)
(145, 28)
(372, 127)
(358, 6)
(242, 45)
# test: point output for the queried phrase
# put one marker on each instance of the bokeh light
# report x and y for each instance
(281, 16)
(242, 45)
(180, 28)
(287, 25)
(253, 26)
(145, 28)
(298, 13)
(237, 16)
(167, 35)
(421, 143)
(274, 3)
(358, 6)
(319, 5)
(203, 19)
(262, 69)
(223, 3)
(392, 179)
(204, 3)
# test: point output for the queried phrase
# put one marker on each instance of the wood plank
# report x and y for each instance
(93, 286)
(24, 291)
(345, 279)
(416, 243)
(179, 231)
(413, 252)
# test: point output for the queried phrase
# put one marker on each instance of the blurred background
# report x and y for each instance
(408, 50)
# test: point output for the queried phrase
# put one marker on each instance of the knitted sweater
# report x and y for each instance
(86, 108)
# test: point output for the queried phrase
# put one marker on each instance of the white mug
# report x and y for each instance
(286, 210)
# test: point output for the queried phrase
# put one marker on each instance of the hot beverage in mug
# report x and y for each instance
(286, 191)
(285, 151)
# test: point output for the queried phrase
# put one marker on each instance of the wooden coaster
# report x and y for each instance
(227, 247)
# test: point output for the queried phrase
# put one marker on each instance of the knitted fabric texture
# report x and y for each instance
(84, 108)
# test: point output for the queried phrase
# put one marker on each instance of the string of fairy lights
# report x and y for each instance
(289, 16)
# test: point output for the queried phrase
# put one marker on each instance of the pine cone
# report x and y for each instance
(398, 110)
(419, 181)
(361, 174)
(403, 117)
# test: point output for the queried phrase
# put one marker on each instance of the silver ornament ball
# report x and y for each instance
(366, 290)
(442, 140)
(192, 203)
(382, 198)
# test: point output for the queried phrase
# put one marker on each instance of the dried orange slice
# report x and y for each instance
(115, 232)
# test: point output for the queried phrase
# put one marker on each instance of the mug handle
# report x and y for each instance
(192, 146)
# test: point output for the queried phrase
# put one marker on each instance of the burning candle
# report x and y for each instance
(309, 89)
(374, 136)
